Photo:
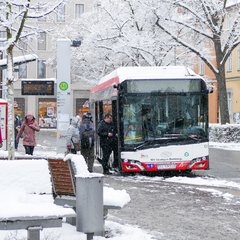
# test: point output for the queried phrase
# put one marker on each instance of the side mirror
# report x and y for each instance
(210, 89)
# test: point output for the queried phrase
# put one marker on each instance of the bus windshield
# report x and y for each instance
(164, 118)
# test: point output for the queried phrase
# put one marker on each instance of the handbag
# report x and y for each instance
(77, 146)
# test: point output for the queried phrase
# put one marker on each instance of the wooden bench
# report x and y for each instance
(26, 198)
(64, 185)
(62, 176)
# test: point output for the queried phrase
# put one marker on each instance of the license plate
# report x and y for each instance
(166, 166)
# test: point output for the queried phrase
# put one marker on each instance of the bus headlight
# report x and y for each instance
(131, 164)
(197, 160)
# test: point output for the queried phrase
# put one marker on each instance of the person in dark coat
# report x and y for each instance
(28, 129)
(108, 140)
(86, 130)
(17, 126)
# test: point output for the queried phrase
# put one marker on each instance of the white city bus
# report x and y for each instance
(161, 116)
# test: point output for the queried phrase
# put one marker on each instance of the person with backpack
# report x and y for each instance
(86, 131)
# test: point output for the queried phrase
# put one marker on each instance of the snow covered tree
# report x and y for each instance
(118, 33)
(208, 28)
(15, 19)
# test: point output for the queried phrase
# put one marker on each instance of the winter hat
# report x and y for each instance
(29, 116)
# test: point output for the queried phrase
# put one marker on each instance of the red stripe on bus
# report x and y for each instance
(106, 84)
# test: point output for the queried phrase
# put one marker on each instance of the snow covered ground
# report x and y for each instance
(114, 230)
(26, 191)
(227, 146)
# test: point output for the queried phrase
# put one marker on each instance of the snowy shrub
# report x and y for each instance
(224, 133)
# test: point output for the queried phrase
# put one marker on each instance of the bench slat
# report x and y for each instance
(63, 182)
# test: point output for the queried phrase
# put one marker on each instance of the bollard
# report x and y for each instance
(34, 233)
(89, 205)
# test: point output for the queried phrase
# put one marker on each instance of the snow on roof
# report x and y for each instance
(19, 60)
(162, 72)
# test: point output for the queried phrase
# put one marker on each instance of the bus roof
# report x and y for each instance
(162, 72)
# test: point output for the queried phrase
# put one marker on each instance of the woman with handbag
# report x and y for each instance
(73, 137)
(28, 129)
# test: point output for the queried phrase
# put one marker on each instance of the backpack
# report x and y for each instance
(87, 139)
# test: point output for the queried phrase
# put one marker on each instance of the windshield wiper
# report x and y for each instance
(183, 136)
(156, 142)
(145, 143)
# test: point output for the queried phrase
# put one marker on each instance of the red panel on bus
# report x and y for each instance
(106, 84)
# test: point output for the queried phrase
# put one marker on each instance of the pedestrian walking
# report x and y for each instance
(17, 127)
(108, 140)
(86, 131)
(28, 129)
(73, 137)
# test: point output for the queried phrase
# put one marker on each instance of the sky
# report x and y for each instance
(17, 198)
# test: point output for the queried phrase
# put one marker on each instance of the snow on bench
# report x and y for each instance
(112, 199)
(26, 200)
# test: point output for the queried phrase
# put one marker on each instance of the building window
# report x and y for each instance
(23, 44)
(42, 41)
(79, 10)
(61, 13)
(238, 58)
(82, 106)
(19, 107)
(229, 63)
(22, 71)
(229, 98)
(202, 68)
(40, 12)
(3, 38)
(47, 110)
(41, 69)
(3, 35)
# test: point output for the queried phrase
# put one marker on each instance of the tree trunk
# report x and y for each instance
(10, 100)
(222, 98)
(221, 79)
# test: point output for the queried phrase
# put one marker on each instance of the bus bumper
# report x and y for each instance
(195, 164)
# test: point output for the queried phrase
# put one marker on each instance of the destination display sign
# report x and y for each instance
(37, 87)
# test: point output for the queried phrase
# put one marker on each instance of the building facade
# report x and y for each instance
(232, 70)
(233, 85)
(202, 69)
(44, 107)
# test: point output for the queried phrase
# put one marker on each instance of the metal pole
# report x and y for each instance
(34, 233)
(90, 236)
(64, 98)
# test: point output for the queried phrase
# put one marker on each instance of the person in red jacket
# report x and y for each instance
(28, 129)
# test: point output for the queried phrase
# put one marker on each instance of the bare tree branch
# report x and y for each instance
(190, 27)
(191, 48)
